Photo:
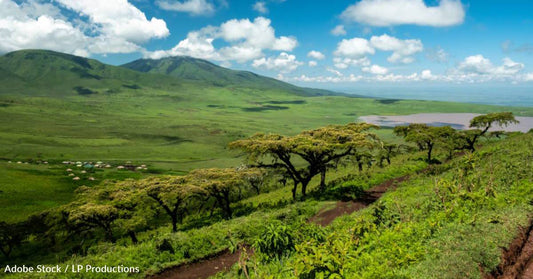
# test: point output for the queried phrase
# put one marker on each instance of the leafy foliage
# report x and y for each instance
(319, 148)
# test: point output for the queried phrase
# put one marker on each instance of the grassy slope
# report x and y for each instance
(448, 225)
(163, 121)
(439, 224)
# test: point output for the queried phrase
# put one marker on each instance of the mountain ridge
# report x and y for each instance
(31, 70)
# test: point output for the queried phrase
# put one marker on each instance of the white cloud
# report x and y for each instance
(118, 18)
(246, 41)
(479, 65)
(343, 63)
(284, 63)
(261, 7)
(193, 7)
(325, 79)
(113, 26)
(375, 69)
(312, 63)
(402, 50)
(354, 48)
(398, 12)
(338, 30)
(258, 33)
(316, 55)
(427, 75)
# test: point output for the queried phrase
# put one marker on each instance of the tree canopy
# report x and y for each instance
(424, 136)
(319, 148)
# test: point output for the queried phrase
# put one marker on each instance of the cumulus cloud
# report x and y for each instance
(427, 75)
(355, 51)
(398, 12)
(312, 63)
(343, 63)
(375, 69)
(477, 64)
(258, 34)
(20, 29)
(316, 55)
(324, 79)
(246, 41)
(260, 7)
(402, 50)
(284, 63)
(338, 30)
(112, 26)
(354, 48)
(193, 7)
(118, 18)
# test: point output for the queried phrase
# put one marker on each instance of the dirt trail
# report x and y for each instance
(517, 260)
(324, 218)
(224, 260)
(201, 269)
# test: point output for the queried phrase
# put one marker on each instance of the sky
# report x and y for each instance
(314, 43)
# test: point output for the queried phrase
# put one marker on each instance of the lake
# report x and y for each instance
(458, 121)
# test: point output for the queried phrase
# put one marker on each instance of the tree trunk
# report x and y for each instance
(430, 149)
(304, 187)
(323, 180)
(294, 188)
(226, 206)
(174, 222)
(133, 237)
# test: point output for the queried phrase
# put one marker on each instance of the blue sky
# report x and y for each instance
(331, 44)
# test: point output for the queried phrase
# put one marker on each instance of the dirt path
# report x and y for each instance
(223, 261)
(517, 260)
(324, 218)
(201, 269)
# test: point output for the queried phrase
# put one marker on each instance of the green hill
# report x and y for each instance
(49, 73)
(201, 70)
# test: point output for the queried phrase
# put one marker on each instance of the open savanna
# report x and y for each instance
(57, 107)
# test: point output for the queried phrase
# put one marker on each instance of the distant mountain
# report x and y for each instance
(189, 68)
(50, 73)
(44, 72)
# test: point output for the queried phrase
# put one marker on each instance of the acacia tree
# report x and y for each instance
(387, 151)
(222, 183)
(172, 193)
(424, 136)
(482, 124)
(318, 148)
(95, 215)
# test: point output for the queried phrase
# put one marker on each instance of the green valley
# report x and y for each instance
(157, 164)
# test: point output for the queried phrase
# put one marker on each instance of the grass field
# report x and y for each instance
(168, 123)
(169, 131)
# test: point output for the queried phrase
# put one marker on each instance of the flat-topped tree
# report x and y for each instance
(221, 184)
(172, 193)
(323, 146)
(482, 124)
(318, 148)
(424, 136)
(95, 215)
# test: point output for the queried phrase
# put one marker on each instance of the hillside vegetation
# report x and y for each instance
(175, 160)
(57, 107)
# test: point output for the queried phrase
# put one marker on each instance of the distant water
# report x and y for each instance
(459, 121)
(501, 95)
